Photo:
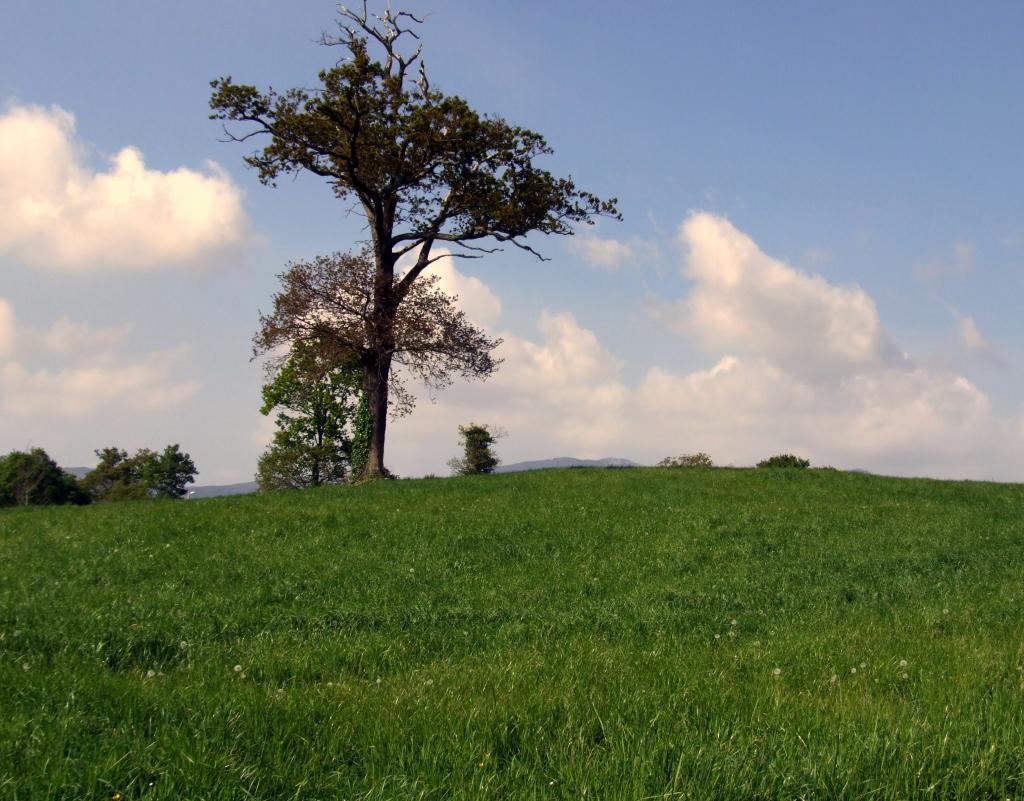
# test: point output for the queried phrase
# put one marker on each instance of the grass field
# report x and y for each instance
(604, 634)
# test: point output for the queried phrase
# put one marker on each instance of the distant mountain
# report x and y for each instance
(216, 490)
(564, 461)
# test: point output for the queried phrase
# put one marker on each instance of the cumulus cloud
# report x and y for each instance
(96, 381)
(797, 364)
(746, 300)
(475, 298)
(61, 213)
(609, 254)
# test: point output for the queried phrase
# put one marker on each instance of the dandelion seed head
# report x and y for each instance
(150, 674)
(777, 672)
(238, 668)
(853, 670)
(863, 665)
(903, 663)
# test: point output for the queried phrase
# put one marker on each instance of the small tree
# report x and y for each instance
(784, 460)
(168, 474)
(315, 403)
(477, 441)
(687, 460)
(33, 479)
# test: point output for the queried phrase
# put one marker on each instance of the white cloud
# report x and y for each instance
(67, 336)
(6, 328)
(746, 300)
(93, 381)
(60, 213)
(970, 335)
(475, 298)
(798, 365)
(609, 254)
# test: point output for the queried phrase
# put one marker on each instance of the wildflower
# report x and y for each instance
(115, 797)
(150, 673)
(718, 636)
(903, 663)
(945, 611)
(732, 622)
(183, 645)
(238, 668)
(904, 675)
(863, 665)
(777, 672)
(853, 670)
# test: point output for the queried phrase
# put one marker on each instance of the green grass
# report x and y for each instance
(605, 634)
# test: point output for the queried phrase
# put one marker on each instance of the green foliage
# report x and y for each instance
(471, 640)
(784, 460)
(687, 460)
(34, 479)
(168, 474)
(147, 474)
(362, 428)
(315, 403)
(478, 456)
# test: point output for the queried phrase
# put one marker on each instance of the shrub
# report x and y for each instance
(34, 479)
(784, 460)
(687, 460)
(478, 441)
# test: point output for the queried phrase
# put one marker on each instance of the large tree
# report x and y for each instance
(422, 167)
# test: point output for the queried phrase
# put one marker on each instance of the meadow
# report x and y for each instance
(561, 634)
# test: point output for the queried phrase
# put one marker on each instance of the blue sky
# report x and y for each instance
(854, 166)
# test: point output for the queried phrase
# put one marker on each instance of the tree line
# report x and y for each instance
(33, 478)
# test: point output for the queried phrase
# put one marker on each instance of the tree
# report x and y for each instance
(147, 474)
(168, 474)
(324, 312)
(315, 403)
(33, 479)
(699, 459)
(422, 167)
(477, 442)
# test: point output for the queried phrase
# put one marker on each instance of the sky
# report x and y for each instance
(821, 251)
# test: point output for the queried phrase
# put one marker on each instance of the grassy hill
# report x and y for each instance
(606, 634)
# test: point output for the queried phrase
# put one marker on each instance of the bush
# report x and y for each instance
(34, 479)
(477, 441)
(784, 460)
(687, 460)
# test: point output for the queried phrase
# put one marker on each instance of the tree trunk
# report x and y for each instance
(375, 386)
